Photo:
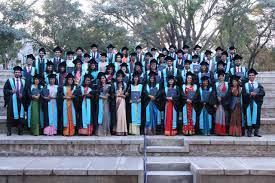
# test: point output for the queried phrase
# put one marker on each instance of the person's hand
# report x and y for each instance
(189, 101)
(215, 106)
(253, 94)
(152, 97)
(169, 98)
(130, 101)
(103, 97)
(14, 91)
(138, 100)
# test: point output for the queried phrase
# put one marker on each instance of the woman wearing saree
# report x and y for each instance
(103, 111)
(69, 113)
(172, 96)
(35, 115)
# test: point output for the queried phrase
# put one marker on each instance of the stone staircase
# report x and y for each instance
(163, 170)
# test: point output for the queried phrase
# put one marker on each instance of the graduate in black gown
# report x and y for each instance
(14, 95)
(205, 107)
(253, 95)
(152, 105)
(28, 70)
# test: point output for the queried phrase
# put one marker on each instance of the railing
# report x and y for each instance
(145, 157)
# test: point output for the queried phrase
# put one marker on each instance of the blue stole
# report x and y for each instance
(94, 74)
(251, 114)
(52, 109)
(46, 78)
(136, 107)
(183, 75)
(117, 66)
(189, 57)
(97, 56)
(152, 112)
(142, 58)
(174, 55)
(32, 73)
(228, 65)
(242, 74)
(65, 110)
(111, 57)
(205, 117)
(40, 115)
(86, 109)
(16, 113)
(174, 123)
(37, 65)
(101, 108)
(184, 109)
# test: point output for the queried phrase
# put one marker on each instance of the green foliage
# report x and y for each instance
(12, 14)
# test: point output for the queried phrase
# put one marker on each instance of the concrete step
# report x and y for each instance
(169, 176)
(167, 164)
(71, 169)
(28, 145)
(166, 149)
(154, 141)
(229, 169)
(220, 146)
(268, 112)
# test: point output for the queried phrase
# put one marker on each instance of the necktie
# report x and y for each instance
(94, 56)
(252, 86)
(17, 86)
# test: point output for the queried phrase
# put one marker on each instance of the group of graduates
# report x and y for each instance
(170, 92)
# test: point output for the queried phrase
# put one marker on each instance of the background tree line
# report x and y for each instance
(246, 24)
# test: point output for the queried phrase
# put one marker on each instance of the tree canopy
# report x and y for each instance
(246, 24)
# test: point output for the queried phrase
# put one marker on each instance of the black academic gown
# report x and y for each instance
(112, 100)
(209, 106)
(247, 100)
(225, 102)
(178, 103)
(9, 103)
(95, 107)
(145, 99)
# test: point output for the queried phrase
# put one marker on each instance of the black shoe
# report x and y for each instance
(249, 133)
(9, 132)
(20, 132)
(256, 133)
